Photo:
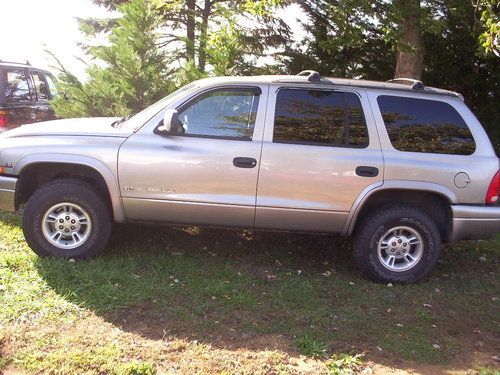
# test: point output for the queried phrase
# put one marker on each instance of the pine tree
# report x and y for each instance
(126, 74)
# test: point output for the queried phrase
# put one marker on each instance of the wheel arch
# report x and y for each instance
(432, 198)
(35, 170)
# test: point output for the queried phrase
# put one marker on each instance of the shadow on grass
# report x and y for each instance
(238, 289)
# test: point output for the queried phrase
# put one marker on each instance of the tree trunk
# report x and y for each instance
(190, 29)
(410, 52)
(202, 54)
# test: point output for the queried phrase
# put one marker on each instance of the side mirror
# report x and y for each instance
(170, 122)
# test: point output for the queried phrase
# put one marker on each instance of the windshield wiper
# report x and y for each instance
(117, 123)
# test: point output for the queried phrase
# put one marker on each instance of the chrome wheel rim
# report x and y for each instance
(66, 226)
(400, 248)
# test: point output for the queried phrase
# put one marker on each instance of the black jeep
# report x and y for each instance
(25, 92)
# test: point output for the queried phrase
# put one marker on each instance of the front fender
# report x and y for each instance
(97, 165)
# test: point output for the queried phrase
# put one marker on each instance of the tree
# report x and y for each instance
(410, 53)
(490, 17)
(344, 39)
(125, 75)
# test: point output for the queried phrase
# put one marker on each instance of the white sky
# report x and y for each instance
(27, 27)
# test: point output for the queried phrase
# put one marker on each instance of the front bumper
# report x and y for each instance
(475, 222)
(7, 193)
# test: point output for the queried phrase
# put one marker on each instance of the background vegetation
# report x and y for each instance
(155, 46)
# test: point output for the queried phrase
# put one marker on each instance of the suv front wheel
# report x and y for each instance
(66, 218)
(399, 244)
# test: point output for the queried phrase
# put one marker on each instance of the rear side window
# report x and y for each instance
(319, 117)
(17, 88)
(41, 88)
(422, 125)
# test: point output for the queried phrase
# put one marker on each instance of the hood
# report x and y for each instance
(96, 126)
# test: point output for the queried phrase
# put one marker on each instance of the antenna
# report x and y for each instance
(312, 75)
(414, 83)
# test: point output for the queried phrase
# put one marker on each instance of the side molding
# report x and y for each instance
(392, 185)
(97, 165)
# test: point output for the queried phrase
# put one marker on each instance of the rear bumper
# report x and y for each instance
(7, 193)
(475, 222)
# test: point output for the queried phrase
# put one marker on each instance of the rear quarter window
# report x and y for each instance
(423, 125)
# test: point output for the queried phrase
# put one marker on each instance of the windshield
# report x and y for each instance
(139, 119)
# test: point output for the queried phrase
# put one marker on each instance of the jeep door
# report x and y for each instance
(43, 109)
(320, 152)
(206, 173)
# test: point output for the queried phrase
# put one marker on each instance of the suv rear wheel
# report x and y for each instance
(399, 244)
(66, 218)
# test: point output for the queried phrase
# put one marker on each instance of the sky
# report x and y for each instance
(28, 27)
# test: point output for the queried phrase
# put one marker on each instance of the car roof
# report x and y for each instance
(401, 84)
(26, 65)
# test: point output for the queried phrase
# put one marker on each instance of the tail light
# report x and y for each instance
(3, 119)
(493, 190)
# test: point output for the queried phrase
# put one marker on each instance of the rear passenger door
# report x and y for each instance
(320, 151)
(43, 110)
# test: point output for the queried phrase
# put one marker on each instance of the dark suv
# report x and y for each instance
(25, 93)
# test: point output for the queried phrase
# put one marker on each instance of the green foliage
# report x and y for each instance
(490, 18)
(126, 74)
(344, 364)
(311, 347)
(136, 368)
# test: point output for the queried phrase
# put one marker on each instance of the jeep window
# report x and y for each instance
(224, 113)
(422, 125)
(17, 88)
(319, 117)
(41, 88)
(49, 78)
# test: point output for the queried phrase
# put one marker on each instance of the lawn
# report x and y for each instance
(191, 300)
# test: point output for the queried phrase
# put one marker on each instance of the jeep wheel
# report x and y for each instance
(397, 245)
(66, 218)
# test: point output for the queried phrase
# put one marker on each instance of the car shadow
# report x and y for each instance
(239, 289)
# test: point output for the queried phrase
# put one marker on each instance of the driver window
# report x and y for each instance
(221, 114)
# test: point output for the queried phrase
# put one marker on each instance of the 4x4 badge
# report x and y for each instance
(7, 165)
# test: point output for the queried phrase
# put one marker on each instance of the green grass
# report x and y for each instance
(202, 300)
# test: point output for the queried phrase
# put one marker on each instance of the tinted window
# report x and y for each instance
(17, 88)
(421, 125)
(222, 113)
(42, 91)
(52, 86)
(319, 117)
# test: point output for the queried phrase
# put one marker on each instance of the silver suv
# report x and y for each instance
(401, 167)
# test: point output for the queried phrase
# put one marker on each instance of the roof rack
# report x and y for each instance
(15, 62)
(414, 83)
(312, 75)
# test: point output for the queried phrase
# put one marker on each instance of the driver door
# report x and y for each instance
(204, 174)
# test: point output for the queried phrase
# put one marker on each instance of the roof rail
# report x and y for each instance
(15, 62)
(312, 75)
(414, 83)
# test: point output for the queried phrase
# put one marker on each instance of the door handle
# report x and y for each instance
(365, 171)
(241, 162)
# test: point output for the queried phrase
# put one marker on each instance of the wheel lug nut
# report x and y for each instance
(66, 230)
(67, 217)
(393, 250)
(61, 227)
(61, 220)
(398, 253)
(394, 244)
(399, 241)
(72, 227)
(404, 250)
(73, 221)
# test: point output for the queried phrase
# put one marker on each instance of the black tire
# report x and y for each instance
(74, 192)
(371, 230)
